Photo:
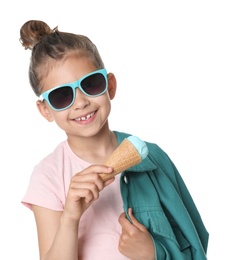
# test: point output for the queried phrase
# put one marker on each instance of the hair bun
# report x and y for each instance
(32, 32)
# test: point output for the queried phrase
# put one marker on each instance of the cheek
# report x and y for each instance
(105, 101)
(104, 104)
(60, 117)
(107, 107)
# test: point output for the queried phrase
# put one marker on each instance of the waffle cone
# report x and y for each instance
(124, 157)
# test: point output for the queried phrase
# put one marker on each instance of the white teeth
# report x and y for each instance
(84, 117)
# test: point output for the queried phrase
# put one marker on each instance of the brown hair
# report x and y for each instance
(49, 46)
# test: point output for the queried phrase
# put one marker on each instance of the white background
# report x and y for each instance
(169, 58)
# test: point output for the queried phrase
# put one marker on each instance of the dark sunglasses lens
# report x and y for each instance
(61, 97)
(94, 84)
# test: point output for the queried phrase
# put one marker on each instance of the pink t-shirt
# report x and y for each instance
(99, 228)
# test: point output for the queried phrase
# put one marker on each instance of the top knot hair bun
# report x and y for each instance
(32, 32)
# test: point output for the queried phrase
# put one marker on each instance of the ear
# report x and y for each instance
(112, 85)
(44, 110)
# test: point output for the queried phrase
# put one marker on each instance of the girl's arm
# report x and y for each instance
(57, 236)
(58, 231)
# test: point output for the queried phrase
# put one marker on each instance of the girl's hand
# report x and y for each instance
(135, 241)
(84, 190)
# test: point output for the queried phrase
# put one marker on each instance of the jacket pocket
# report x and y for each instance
(160, 228)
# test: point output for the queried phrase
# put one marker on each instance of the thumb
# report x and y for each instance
(135, 221)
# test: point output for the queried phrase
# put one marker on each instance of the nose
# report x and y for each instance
(81, 100)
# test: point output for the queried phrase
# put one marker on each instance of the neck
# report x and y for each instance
(95, 149)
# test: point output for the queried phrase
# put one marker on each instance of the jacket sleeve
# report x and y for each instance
(159, 251)
(179, 208)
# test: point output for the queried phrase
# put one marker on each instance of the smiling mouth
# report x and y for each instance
(84, 118)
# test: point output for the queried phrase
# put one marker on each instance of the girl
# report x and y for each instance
(145, 213)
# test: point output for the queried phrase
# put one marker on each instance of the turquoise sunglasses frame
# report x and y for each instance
(73, 86)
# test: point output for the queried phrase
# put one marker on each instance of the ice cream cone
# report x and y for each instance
(124, 157)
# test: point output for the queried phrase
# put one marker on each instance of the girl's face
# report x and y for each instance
(87, 115)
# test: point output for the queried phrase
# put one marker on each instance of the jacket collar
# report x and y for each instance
(145, 165)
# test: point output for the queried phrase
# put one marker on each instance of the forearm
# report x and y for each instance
(65, 244)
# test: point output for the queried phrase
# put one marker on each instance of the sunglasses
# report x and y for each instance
(62, 97)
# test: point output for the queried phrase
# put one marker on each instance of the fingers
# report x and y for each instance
(89, 191)
(87, 184)
(129, 226)
(92, 172)
(95, 169)
(135, 222)
(135, 241)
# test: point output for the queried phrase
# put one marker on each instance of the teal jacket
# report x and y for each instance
(161, 201)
